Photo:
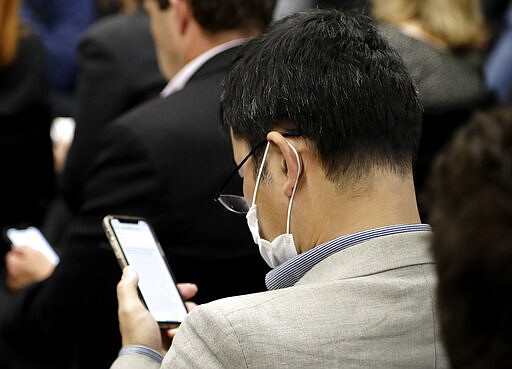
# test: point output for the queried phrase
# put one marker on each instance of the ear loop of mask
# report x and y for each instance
(260, 171)
(294, 186)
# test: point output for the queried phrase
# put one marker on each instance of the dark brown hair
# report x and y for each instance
(470, 193)
(218, 15)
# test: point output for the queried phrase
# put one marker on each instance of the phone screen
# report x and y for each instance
(32, 237)
(156, 283)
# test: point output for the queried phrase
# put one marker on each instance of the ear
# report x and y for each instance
(291, 163)
(183, 13)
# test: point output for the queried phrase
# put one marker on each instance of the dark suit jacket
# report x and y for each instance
(117, 71)
(163, 161)
(26, 157)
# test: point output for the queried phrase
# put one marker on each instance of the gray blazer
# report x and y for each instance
(368, 306)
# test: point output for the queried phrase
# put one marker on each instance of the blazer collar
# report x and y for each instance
(221, 61)
(373, 256)
(210, 62)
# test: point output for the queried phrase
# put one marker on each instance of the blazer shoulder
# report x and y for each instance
(110, 28)
(374, 256)
(183, 111)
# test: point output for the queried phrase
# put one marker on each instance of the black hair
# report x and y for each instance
(219, 15)
(330, 76)
(164, 4)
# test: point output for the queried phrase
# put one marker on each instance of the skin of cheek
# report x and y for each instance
(272, 207)
(249, 184)
(271, 218)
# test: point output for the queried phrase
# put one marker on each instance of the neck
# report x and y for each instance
(386, 199)
(195, 43)
(204, 41)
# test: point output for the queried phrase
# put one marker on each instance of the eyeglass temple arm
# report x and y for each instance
(291, 133)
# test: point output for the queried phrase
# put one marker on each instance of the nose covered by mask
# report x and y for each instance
(282, 248)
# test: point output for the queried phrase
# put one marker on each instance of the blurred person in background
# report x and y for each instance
(441, 43)
(360, 5)
(105, 8)
(498, 66)
(470, 193)
(162, 161)
(60, 24)
(287, 7)
(116, 64)
(25, 148)
(494, 11)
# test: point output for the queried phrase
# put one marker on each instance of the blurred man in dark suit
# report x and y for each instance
(162, 161)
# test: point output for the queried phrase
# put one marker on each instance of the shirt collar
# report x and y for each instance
(291, 271)
(181, 78)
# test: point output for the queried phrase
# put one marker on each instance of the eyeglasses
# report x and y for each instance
(237, 203)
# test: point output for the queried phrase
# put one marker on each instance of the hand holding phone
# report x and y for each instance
(136, 323)
(33, 238)
(134, 243)
(24, 266)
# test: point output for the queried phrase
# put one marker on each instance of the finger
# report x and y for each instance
(29, 252)
(190, 305)
(187, 290)
(22, 249)
(19, 252)
(12, 260)
(171, 333)
(13, 283)
(14, 253)
(127, 288)
(8, 258)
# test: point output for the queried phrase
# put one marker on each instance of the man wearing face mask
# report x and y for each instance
(325, 122)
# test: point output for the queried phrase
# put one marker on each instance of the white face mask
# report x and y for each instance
(282, 248)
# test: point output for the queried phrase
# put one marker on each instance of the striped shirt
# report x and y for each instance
(291, 271)
(142, 351)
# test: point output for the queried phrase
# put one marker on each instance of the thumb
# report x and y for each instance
(187, 290)
(17, 251)
(127, 288)
(23, 249)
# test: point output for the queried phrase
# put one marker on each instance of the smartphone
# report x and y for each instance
(134, 243)
(32, 237)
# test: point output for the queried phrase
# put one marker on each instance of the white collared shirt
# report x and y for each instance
(181, 78)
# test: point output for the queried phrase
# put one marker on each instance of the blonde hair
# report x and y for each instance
(9, 31)
(458, 23)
